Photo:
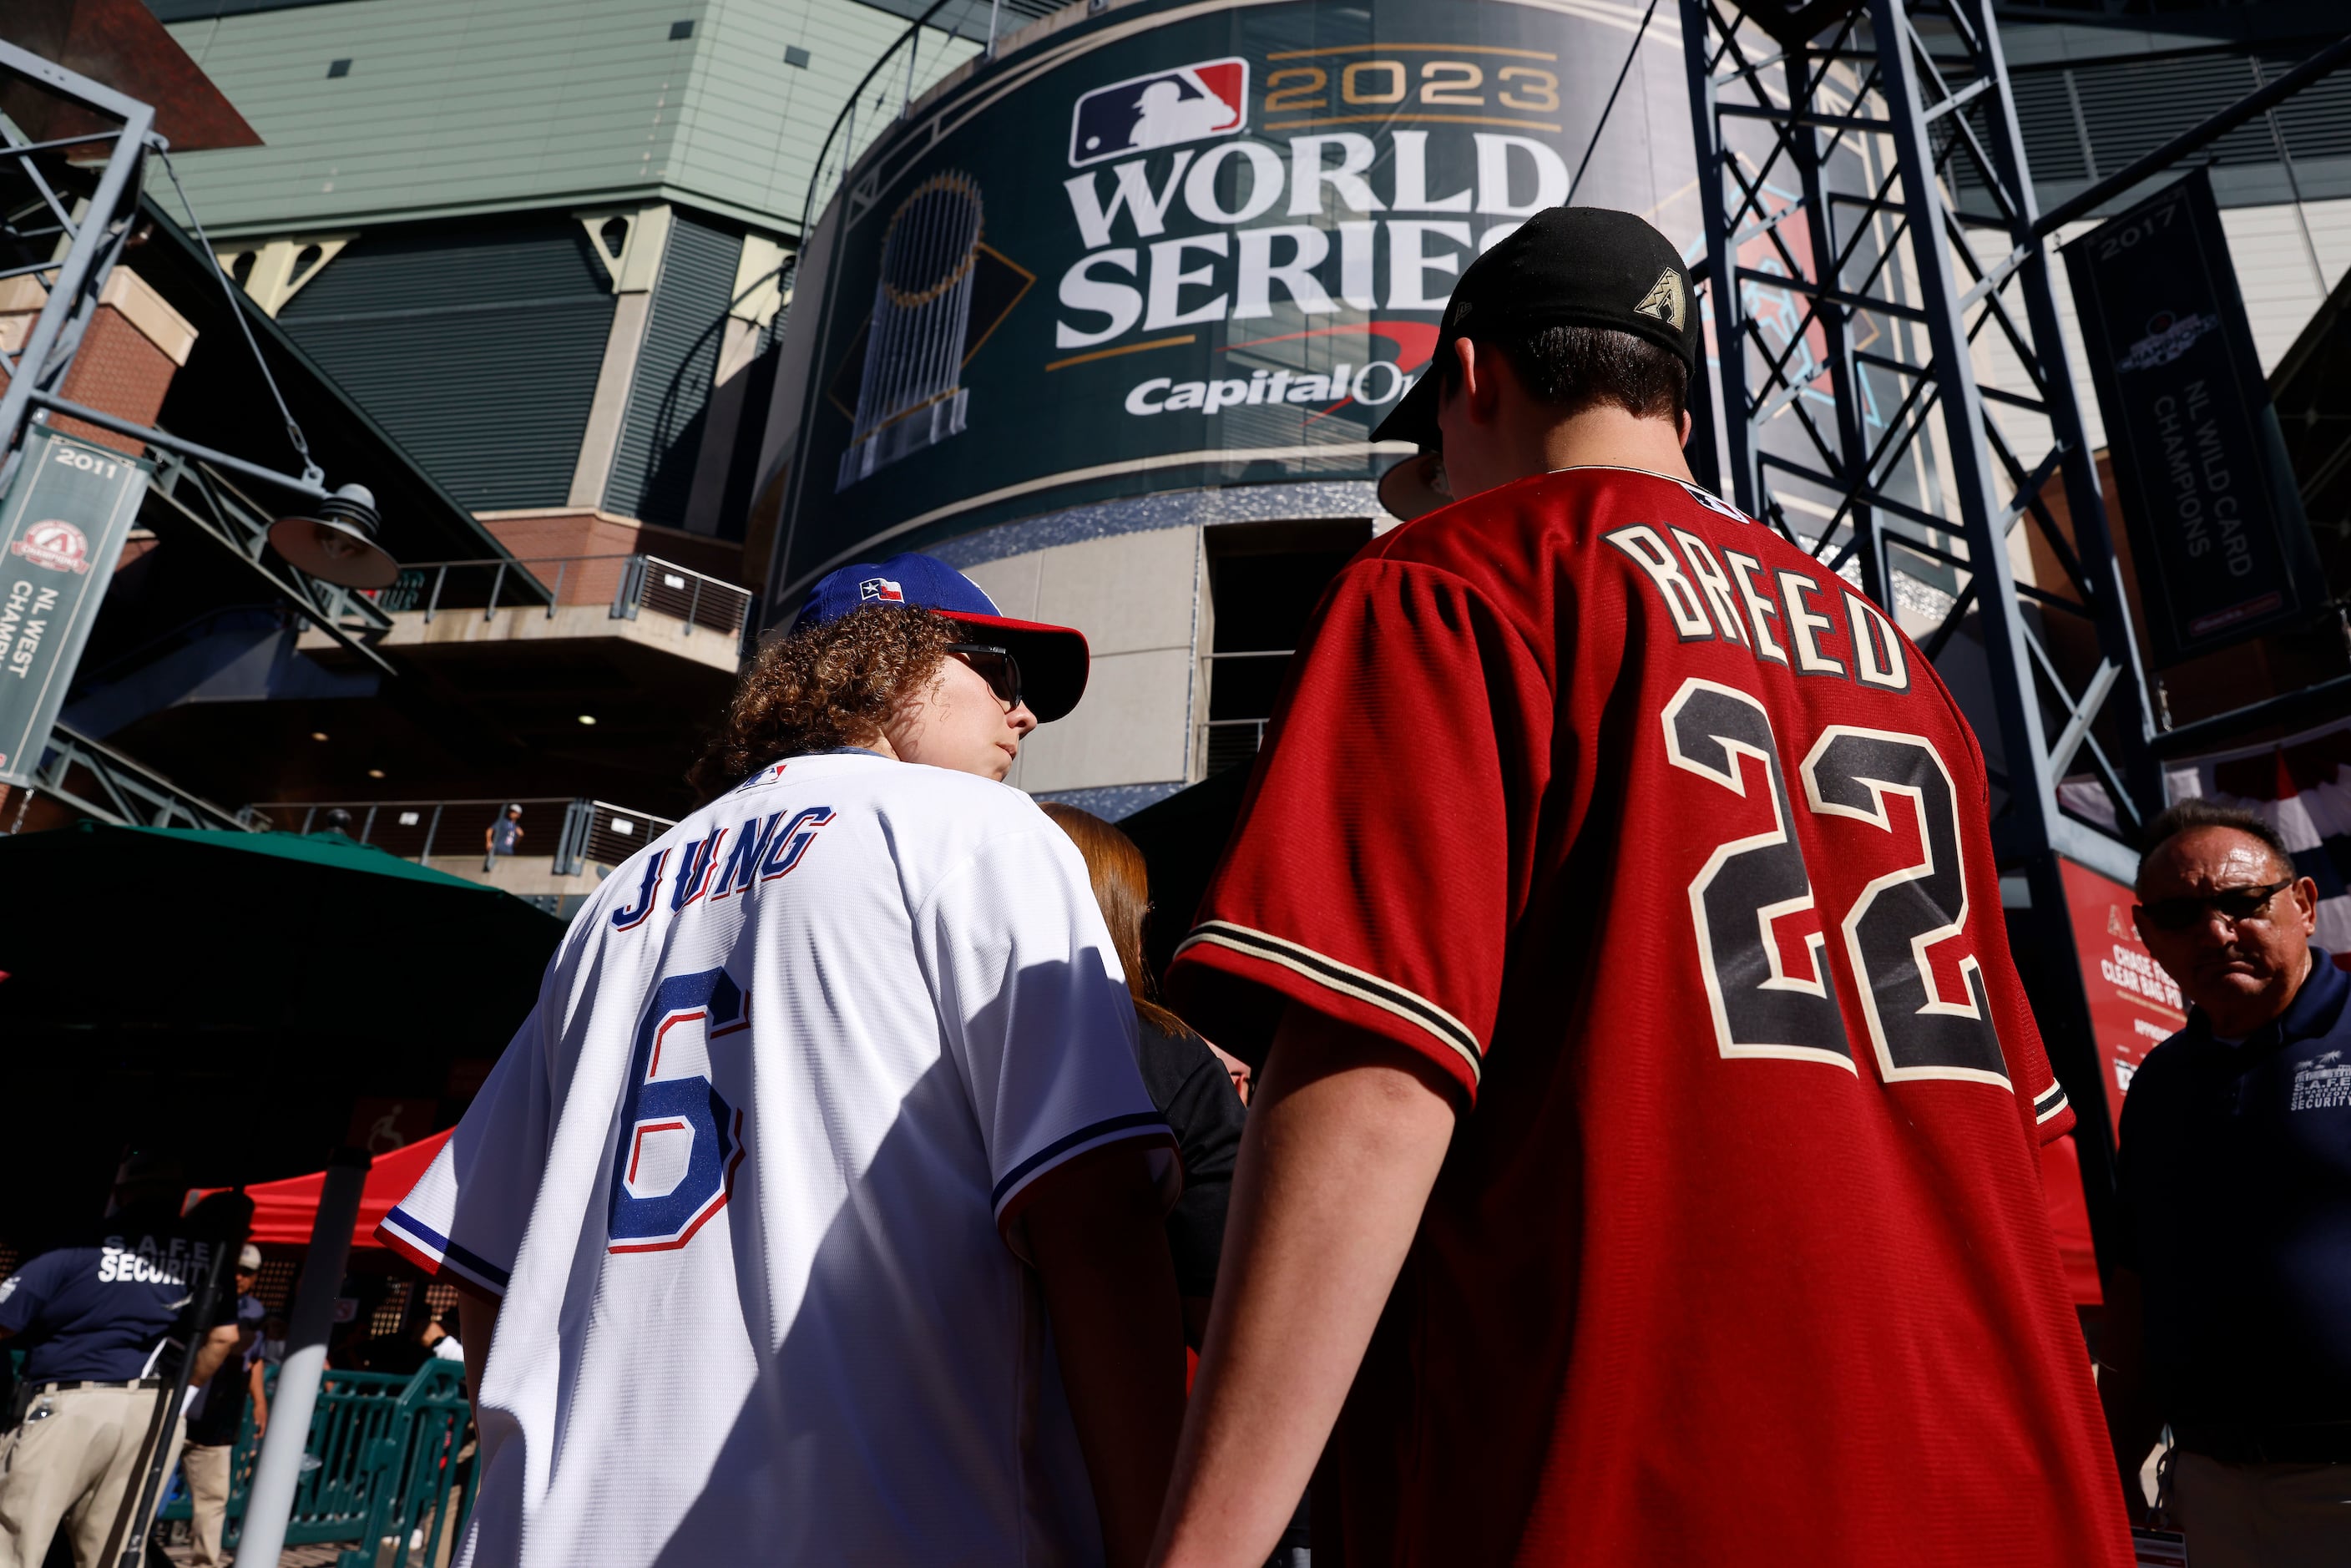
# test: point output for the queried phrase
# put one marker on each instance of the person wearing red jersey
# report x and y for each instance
(1644, 1163)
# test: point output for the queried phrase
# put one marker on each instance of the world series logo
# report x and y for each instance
(1196, 102)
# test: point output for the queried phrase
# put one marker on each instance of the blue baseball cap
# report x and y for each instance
(1052, 659)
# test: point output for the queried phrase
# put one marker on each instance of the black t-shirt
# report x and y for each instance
(114, 1312)
(2235, 1175)
(1192, 1089)
(216, 1416)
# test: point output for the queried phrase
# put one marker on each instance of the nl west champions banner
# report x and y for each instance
(1188, 245)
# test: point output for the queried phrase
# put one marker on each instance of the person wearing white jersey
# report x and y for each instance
(828, 1108)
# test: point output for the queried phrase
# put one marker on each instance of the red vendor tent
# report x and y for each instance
(284, 1211)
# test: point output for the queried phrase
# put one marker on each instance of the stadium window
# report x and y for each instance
(1264, 580)
(796, 56)
(680, 30)
(338, 68)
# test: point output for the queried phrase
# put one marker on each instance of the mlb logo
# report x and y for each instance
(1166, 109)
(880, 591)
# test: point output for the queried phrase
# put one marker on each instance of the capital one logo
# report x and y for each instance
(1166, 109)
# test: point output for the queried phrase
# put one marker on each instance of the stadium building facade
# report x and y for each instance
(1102, 312)
(1214, 241)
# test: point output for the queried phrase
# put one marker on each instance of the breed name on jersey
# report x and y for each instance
(757, 851)
(1782, 617)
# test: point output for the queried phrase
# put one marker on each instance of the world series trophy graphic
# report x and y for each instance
(907, 396)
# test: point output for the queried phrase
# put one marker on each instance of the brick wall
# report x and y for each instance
(135, 344)
(542, 538)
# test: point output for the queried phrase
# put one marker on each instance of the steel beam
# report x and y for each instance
(99, 781)
(95, 242)
(199, 495)
(1864, 119)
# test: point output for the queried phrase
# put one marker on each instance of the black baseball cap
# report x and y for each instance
(1564, 267)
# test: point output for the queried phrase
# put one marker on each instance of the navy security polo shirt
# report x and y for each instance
(103, 1313)
(2235, 1171)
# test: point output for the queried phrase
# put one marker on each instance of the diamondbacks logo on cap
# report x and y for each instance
(880, 591)
(1665, 300)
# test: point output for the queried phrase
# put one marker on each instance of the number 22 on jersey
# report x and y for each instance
(1925, 1021)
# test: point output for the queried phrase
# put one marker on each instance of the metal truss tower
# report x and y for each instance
(1876, 266)
(68, 228)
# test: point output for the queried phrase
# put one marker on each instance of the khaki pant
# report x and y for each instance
(2261, 1516)
(69, 1464)
(206, 1466)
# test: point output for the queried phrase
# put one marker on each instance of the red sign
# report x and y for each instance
(2133, 1005)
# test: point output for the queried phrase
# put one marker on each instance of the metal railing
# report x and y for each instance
(99, 781)
(588, 832)
(692, 597)
(629, 583)
(385, 1465)
(1228, 742)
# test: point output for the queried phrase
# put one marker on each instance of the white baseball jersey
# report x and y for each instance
(745, 1180)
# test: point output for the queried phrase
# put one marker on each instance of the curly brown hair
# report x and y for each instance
(822, 686)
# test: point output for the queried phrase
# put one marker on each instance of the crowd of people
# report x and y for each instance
(1593, 1117)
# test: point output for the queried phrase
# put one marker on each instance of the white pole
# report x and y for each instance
(271, 1501)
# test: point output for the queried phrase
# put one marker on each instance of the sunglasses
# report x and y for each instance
(995, 665)
(2234, 904)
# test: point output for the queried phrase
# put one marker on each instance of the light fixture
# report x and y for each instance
(334, 541)
(375, 772)
(587, 719)
(317, 735)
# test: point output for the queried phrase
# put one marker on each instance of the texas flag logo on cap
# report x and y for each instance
(880, 591)
(1188, 103)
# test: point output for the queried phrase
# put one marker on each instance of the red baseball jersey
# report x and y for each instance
(1671, 851)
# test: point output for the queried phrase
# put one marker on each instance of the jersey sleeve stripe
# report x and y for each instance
(1347, 980)
(2051, 1103)
(436, 1253)
(1113, 1130)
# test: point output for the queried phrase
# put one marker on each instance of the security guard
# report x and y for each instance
(2231, 1322)
(105, 1325)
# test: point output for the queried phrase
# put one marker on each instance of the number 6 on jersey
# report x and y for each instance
(680, 1139)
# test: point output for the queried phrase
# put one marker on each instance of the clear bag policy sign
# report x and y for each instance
(1185, 245)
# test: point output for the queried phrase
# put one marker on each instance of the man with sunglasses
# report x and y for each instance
(2230, 1318)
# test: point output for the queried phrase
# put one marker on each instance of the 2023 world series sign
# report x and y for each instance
(1184, 244)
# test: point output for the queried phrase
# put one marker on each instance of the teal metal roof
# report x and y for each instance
(334, 851)
(454, 107)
